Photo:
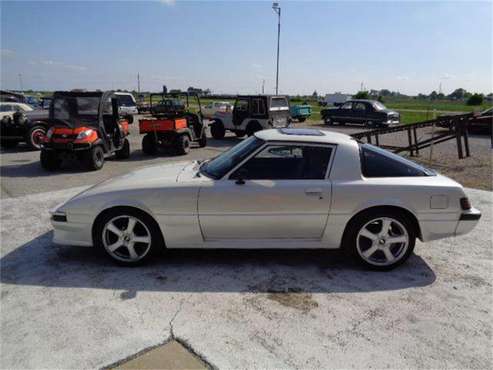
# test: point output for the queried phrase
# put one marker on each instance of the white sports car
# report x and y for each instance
(285, 188)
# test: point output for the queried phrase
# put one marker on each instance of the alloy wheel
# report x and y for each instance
(126, 238)
(382, 241)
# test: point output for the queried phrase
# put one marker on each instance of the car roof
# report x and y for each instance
(362, 101)
(304, 135)
(262, 96)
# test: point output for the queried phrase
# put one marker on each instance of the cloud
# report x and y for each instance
(52, 63)
(403, 78)
(7, 53)
(168, 2)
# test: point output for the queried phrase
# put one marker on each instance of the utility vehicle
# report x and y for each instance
(85, 126)
(172, 124)
(252, 113)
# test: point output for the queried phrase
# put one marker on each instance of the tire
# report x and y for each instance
(35, 136)
(341, 123)
(49, 160)
(124, 152)
(252, 128)
(328, 121)
(203, 140)
(370, 124)
(367, 242)
(240, 133)
(182, 145)
(302, 119)
(94, 158)
(217, 130)
(111, 227)
(149, 146)
(8, 144)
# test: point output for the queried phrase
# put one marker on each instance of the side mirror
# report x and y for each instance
(129, 118)
(241, 175)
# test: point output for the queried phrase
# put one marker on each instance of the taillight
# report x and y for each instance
(465, 204)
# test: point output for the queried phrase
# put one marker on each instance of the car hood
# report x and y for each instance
(148, 177)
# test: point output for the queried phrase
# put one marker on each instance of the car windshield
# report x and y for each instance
(223, 163)
(83, 109)
(379, 106)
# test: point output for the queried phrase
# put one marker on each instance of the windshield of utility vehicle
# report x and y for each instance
(379, 106)
(125, 101)
(226, 161)
(80, 108)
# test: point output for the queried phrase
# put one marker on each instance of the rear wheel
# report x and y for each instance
(240, 133)
(35, 137)
(49, 160)
(7, 144)
(149, 146)
(380, 240)
(302, 119)
(217, 130)
(94, 158)
(252, 128)
(328, 121)
(129, 236)
(182, 145)
(124, 152)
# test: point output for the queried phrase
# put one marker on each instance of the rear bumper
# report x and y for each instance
(467, 221)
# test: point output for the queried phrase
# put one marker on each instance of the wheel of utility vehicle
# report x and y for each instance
(302, 119)
(49, 160)
(217, 130)
(240, 133)
(182, 145)
(35, 136)
(252, 128)
(124, 152)
(128, 236)
(380, 240)
(149, 146)
(94, 158)
(8, 144)
(203, 140)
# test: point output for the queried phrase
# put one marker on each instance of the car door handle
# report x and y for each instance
(313, 192)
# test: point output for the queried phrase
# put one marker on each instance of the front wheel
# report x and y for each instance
(128, 236)
(49, 160)
(203, 140)
(35, 137)
(380, 240)
(94, 158)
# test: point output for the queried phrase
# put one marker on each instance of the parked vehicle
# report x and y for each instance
(210, 109)
(172, 124)
(300, 112)
(85, 126)
(252, 113)
(370, 113)
(336, 99)
(286, 188)
(20, 123)
(127, 103)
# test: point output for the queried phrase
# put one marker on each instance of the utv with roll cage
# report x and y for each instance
(171, 123)
(85, 126)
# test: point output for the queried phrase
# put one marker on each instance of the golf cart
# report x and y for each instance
(84, 126)
(171, 123)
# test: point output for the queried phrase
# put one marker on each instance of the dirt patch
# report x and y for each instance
(171, 355)
(295, 299)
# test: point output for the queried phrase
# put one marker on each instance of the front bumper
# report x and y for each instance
(76, 230)
(467, 221)
(67, 147)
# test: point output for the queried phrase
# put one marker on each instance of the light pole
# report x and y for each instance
(277, 10)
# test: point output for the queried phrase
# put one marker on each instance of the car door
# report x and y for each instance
(359, 112)
(344, 113)
(281, 192)
(241, 111)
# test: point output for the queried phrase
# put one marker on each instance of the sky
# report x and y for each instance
(230, 46)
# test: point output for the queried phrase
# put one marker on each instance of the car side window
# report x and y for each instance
(258, 107)
(376, 163)
(348, 105)
(242, 105)
(360, 107)
(286, 162)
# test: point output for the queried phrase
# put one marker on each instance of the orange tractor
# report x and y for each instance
(172, 124)
(84, 126)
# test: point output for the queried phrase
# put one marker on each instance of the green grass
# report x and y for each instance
(439, 105)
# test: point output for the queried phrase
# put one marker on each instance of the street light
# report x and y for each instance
(277, 10)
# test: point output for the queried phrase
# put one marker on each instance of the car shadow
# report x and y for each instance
(34, 169)
(41, 263)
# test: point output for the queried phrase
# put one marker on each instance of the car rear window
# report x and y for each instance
(376, 162)
(278, 102)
